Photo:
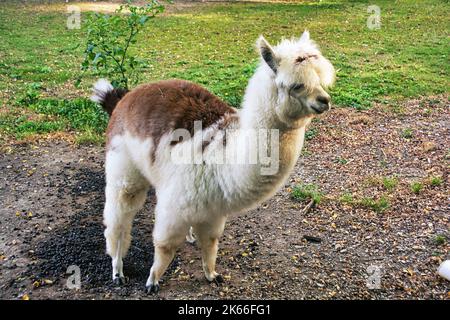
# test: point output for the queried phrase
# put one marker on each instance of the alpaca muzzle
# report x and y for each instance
(321, 105)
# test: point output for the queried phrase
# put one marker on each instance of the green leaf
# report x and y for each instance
(97, 58)
(143, 19)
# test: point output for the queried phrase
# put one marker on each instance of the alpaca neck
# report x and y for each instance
(259, 100)
(258, 113)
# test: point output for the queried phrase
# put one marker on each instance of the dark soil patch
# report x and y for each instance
(81, 242)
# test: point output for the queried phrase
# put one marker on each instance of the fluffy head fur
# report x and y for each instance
(299, 59)
(300, 75)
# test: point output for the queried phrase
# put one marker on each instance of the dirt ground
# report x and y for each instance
(51, 199)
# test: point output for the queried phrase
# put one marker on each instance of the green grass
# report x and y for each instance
(311, 133)
(89, 137)
(436, 181)
(407, 133)
(416, 187)
(303, 192)
(378, 205)
(341, 160)
(214, 46)
(440, 240)
(389, 183)
(347, 198)
(79, 115)
(22, 127)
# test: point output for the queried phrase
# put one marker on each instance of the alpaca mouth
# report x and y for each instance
(320, 109)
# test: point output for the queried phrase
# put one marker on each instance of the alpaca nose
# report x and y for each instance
(322, 104)
(323, 100)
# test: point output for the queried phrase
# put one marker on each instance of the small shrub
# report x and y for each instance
(305, 192)
(436, 181)
(407, 133)
(389, 183)
(416, 187)
(342, 160)
(109, 38)
(346, 198)
(379, 205)
(440, 240)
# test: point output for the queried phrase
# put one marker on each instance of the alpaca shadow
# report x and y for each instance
(81, 242)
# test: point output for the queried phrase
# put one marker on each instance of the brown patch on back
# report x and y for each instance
(224, 123)
(155, 109)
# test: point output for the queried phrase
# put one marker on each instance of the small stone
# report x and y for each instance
(428, 146)
(364, 119)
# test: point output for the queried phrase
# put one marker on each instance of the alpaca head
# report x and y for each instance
(301, 75)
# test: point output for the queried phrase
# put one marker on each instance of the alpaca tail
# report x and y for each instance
(105, 95)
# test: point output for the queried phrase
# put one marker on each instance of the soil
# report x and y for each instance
(52, 195)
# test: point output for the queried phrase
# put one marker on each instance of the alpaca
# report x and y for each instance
(153, 122)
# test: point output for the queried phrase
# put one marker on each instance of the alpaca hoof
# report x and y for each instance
(119, 280)
(218, 280)
(152, 289)
(191, 236)
(191, 241)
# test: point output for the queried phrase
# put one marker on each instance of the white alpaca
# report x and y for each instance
(285, 92)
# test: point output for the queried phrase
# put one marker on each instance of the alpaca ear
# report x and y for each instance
(267, 54)
(305, 36)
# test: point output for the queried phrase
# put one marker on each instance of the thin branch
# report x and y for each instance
(127, 45)
(110, 54)
(308, 207)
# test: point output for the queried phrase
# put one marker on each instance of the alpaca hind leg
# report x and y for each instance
(208, 235)
(118, 223)
(126, 191)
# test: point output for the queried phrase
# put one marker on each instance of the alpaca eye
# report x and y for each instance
(297, 87)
